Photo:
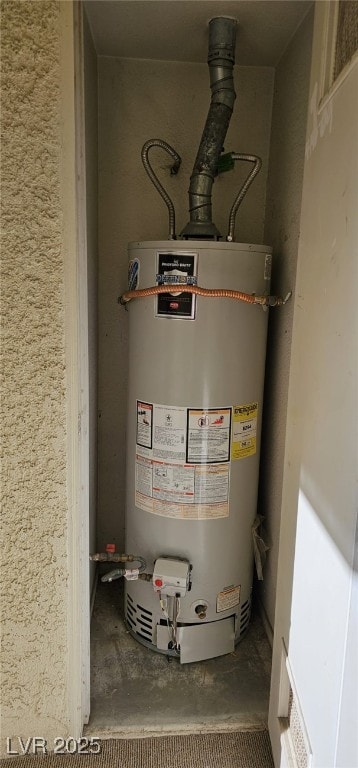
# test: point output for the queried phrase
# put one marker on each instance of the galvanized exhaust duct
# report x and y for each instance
(221, 60)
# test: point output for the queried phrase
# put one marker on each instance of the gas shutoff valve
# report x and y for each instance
(171, 576)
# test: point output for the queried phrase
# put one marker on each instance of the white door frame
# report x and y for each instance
(83, 359)
(77, 325)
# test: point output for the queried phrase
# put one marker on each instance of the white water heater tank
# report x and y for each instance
(196, 375)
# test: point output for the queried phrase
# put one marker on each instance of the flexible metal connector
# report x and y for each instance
(221, 60)
(213, 293)
(154, 179)
(242, 192)
(113, 557)
(117, 573)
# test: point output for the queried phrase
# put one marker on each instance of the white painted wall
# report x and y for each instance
(316, 580)
(139, 100)
(282, 225)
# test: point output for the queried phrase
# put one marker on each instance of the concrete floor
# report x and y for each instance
(137, 692)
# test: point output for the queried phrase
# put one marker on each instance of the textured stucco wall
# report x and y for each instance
(35, 575)
(139, 100)
(284, 192)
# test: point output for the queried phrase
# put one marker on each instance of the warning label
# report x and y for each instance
(205, 489)
(209, 435)
(144, 424)
(169, 433)
(244, 430)
(161, 432)
(183, 461)
(181, 511)
(212, 484)
(144, 476)
(227, 599)
(172, 482)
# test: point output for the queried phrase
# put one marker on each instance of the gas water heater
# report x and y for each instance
(196, 374)
(197, 344)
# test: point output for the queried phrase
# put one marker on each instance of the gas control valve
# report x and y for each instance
(171, 576)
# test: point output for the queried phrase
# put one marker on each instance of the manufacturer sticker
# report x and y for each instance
(244, 430)
(175, 269)
(133, 274)
(268, 265)
(228, 598)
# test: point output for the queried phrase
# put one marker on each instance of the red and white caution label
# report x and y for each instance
(182, 461)
(228, 598)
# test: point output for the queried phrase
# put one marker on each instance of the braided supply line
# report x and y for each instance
(214, 293)
(160, 144)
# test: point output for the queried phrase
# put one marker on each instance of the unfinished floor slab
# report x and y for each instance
(137, 692)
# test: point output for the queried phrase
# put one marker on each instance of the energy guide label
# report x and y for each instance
(244, 430)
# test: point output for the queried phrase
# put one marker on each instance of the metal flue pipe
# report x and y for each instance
(221, 60)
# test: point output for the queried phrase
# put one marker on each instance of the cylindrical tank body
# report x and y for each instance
(196, 375)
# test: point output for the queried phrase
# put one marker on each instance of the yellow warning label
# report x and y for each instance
(244, 430)
(228, 598)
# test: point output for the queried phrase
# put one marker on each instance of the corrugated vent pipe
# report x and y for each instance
(221, 60)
